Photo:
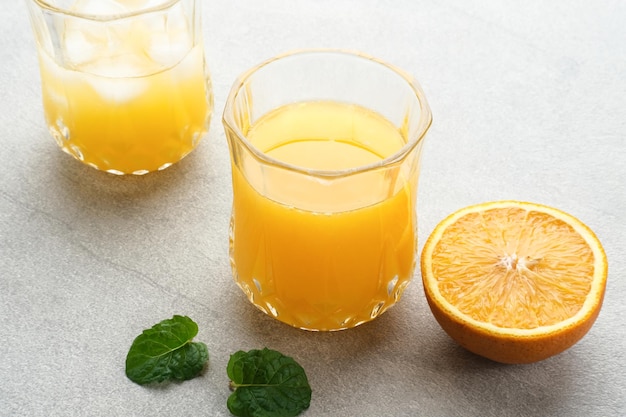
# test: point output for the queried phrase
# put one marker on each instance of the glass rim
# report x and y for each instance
(424, 123)
(47, 4)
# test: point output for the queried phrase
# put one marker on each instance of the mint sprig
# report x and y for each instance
(165, 352)
(266, 383)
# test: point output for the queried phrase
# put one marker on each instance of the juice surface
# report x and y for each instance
(135, 112)
(322, 269)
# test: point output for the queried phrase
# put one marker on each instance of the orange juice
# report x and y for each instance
(137, 109)
(315, 255)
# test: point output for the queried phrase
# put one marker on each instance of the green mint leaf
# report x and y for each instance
(266, 383)
(166, 351)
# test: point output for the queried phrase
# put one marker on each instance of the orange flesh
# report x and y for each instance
(518, 269)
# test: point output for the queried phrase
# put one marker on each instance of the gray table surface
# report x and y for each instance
(529, 103)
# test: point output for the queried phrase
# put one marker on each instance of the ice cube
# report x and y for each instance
(54, 81)
(119, 90)
(78, 48)
(178, 19)
(171, 38)
(86, 40)
(100, 7)
(168, 50)
(114, 81)
(136, 5)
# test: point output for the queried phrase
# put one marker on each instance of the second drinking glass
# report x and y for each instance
(325, 150)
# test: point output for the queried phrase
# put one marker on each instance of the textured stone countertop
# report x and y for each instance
(529, 103)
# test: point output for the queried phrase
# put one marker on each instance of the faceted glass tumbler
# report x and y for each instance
(124, 84)
(315, 247)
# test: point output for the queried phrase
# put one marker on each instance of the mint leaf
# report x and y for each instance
(266, 383)
(165, 352)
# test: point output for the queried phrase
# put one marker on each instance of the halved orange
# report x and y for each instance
(514, 282)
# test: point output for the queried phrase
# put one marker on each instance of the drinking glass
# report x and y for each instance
(325, 152)
(124, 83)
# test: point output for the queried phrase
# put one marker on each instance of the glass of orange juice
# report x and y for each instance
(124, 82)
(325, 149)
